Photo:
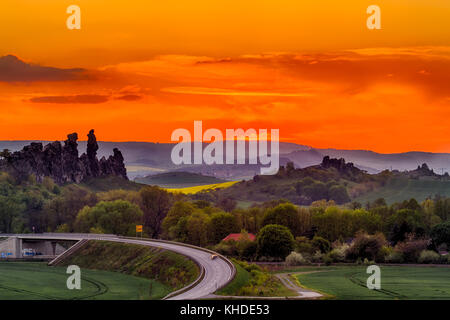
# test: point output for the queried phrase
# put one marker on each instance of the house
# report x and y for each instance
(239, 237)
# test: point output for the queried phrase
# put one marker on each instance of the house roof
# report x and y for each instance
(238, 237)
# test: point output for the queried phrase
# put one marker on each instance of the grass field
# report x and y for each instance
(37, 281)
(403, 282)
(399, 189)
(196, 189)
(178, 179)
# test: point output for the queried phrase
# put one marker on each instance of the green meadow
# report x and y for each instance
(397, 282)
(37, 281)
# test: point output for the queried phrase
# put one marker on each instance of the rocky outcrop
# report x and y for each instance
(340, 165)
(62, 163)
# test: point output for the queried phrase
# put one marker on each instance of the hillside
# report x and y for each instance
(171, 269)
(337, 180)
(178, 179)
(108, 183)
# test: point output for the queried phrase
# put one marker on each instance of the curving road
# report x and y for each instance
(217, 272)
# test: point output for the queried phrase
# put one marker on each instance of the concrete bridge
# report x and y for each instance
(42, 245)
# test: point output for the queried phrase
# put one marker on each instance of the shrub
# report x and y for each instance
(317, 257)
(411, 248)
(383, 253)
(366, 246)
(338, 254)
(327, 260)
(321, 244)
(395, 257)
(303, 245)
(295, 259)
(428, 256)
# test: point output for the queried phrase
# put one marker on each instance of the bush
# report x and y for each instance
(338, 254)
(321, 244)
(428, 256)
(327, 260)
(366, 246)
(295, 259)
(383, 253)
(303, 245)
(317, 257)
(395, 257)
(411, 248)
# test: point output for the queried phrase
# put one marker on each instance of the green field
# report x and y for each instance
(178, 179)
(403, 282)
(37, 281)
(399, 189)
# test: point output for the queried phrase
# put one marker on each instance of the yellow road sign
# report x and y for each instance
(139, 228)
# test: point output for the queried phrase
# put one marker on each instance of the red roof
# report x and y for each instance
(238, 237)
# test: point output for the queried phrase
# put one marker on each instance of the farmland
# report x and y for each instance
(397, 282)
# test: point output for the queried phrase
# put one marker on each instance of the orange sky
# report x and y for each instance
(139, 69)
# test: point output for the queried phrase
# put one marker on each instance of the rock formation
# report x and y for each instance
(340, 165)
(61, 162)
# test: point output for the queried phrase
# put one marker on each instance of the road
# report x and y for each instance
(217, 272)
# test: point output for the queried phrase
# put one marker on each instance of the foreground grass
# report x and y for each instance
(37, 281)
(191, 190)
(251, 280)
(397, 282)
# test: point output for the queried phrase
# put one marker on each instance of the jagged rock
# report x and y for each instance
(340, 165)
(62, 163)
(91, 151)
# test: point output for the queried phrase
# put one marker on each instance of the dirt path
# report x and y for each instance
(302, 292)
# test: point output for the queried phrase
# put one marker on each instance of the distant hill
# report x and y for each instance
(178, 180)
(340, 181)
(101, 184)
(145, 158)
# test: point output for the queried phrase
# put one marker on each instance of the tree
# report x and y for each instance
(339, 194)
(117, 217)
(222, 224)
(155, 203)
(9, 212)
(285, 214)
(441, 234)
(275, 241)
(171, 224)
(197, 229)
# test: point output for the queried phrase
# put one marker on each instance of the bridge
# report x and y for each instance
(214, 273)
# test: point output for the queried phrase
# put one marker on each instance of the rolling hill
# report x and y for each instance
(178, 179)
(146, 158)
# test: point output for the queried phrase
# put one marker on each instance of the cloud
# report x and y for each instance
(129, 97)
(76, 99)
(12, 69)
(226, 92)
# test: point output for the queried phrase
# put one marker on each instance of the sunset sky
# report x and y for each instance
(139, 69)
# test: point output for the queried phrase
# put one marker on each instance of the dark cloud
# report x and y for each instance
(129, 97)
(78, 99)
(12, 69)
